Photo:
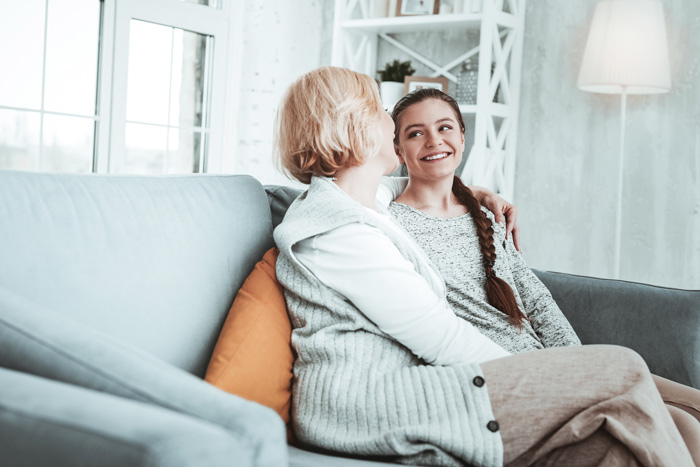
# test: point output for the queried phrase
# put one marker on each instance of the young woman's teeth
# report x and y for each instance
(436, 156)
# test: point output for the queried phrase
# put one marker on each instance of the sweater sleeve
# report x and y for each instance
(389, 189)
(547, 320)
(363, 265)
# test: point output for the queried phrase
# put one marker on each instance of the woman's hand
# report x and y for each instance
(500, 207)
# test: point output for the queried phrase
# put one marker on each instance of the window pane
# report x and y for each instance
(71, 56)
(68, 144)
(150, 51)
(19, 139)
(21, 53)
(189, 54)
(183, 151)
(145, 149)
(166, 75)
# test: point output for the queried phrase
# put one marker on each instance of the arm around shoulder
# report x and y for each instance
(362, 264)
(389, 189)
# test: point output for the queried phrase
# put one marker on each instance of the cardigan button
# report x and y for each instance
(478, 381)
(493, 426)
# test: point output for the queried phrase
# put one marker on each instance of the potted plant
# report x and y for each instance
(391, 85)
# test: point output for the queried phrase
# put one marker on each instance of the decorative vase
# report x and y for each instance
(467, 83)
(391, 92)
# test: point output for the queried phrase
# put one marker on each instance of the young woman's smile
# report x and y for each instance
(436, 157)
(431, 141)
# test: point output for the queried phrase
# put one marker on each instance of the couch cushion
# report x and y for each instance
(299, 457)
(36, 340)
(68, 428)
(253, 357)
(153, 261)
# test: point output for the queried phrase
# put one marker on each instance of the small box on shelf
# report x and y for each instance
(417, 7)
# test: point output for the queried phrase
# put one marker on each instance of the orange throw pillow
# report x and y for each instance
(253, 357)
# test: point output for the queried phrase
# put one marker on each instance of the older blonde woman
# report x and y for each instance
(359, 291)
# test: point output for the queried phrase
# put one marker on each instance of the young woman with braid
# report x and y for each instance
(481, 269)
(488, 283)
(384, 368)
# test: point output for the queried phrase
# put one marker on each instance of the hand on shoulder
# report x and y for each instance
(502, 210)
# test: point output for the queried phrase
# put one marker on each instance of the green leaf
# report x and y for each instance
(396, 71)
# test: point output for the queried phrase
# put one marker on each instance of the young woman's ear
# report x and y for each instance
(398, 153)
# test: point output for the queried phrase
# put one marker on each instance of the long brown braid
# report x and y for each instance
(498, 292)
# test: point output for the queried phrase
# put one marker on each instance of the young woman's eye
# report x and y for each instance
(445, 127)
(413, 134)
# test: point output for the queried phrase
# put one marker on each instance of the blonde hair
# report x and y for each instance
(329, 118)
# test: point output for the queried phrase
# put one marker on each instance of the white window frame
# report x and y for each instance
(114, 61)
(94, 116)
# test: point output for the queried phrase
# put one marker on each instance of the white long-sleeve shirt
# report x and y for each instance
(362, 264)
(389, 189)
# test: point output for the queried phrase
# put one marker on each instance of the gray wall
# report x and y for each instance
(282, 40)
(566, 175)
(568, 145)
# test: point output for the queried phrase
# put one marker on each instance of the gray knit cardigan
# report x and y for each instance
(357, 390)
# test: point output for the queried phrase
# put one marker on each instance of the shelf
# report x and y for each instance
(424, 23)
(467, 108)
(414, 23)
(356, 44)
(500, 110)
(495, 109)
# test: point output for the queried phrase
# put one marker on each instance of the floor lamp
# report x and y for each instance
(626, 53)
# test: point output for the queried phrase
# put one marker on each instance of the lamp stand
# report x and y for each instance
(618, 226)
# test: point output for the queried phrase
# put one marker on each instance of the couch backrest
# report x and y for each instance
(280, 197)
(153, 261)
(659, 323)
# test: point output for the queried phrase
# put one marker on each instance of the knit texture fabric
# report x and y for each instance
(452, 245)
(356, 389)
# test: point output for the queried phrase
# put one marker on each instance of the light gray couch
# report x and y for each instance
(113, 290)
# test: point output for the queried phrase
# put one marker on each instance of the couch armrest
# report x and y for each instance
(46, 423)
(40, 342)
(661, 324)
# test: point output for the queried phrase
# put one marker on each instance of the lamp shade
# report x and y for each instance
(626, 49)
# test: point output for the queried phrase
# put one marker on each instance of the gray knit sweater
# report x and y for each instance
(356, 389)
(453, 247)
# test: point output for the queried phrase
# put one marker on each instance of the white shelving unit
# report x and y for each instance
(491, 161)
